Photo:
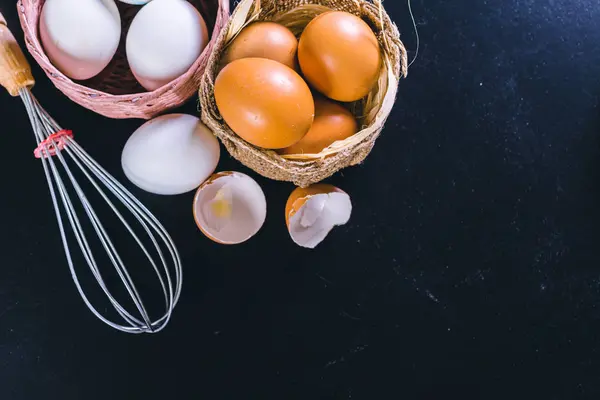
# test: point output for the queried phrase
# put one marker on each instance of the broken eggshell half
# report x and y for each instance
(312, 212)
(230, 208)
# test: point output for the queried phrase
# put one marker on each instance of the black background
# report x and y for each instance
(470, 267)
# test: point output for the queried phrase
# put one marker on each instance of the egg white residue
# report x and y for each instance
(171, 154)
(80, 37)
(165, 39)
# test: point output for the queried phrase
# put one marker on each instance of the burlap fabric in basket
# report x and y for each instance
(372, 112)
(115, 93)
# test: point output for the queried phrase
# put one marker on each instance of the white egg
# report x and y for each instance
(171, 154)
(80, 37)
(165, 38)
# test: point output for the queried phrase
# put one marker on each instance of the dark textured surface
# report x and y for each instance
(470, 268)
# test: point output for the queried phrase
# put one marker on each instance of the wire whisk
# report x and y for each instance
(57, 151)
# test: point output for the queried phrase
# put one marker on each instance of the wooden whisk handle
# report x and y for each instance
(15, 72)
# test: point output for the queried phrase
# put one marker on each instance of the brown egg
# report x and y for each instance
(340, 56)
(266, 103)
(264, 40)
(332, 123)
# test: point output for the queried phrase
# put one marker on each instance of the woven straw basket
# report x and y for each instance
(115, 93)
(371, 112)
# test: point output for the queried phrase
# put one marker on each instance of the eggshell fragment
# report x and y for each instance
(311, 213)
(230, 208)
(165, 39)
(80, 37)
(264, 40)
(170, 155)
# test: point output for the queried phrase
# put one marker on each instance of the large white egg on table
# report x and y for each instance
(171, 154)
(80, 37)
(165, 38)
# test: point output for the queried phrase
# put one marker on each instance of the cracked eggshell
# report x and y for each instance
(171, 154)
(312, 212)
(230, 208)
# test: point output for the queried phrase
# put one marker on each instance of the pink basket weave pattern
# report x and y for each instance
(115, 93)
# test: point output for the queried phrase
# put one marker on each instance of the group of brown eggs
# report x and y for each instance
(263, 90)
(287, 94)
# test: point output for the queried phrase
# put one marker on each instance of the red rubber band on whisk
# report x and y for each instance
(55, 143)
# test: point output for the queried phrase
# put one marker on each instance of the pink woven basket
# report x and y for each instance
(115, 93)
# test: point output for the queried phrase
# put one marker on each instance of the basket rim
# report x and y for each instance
(31, 33)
